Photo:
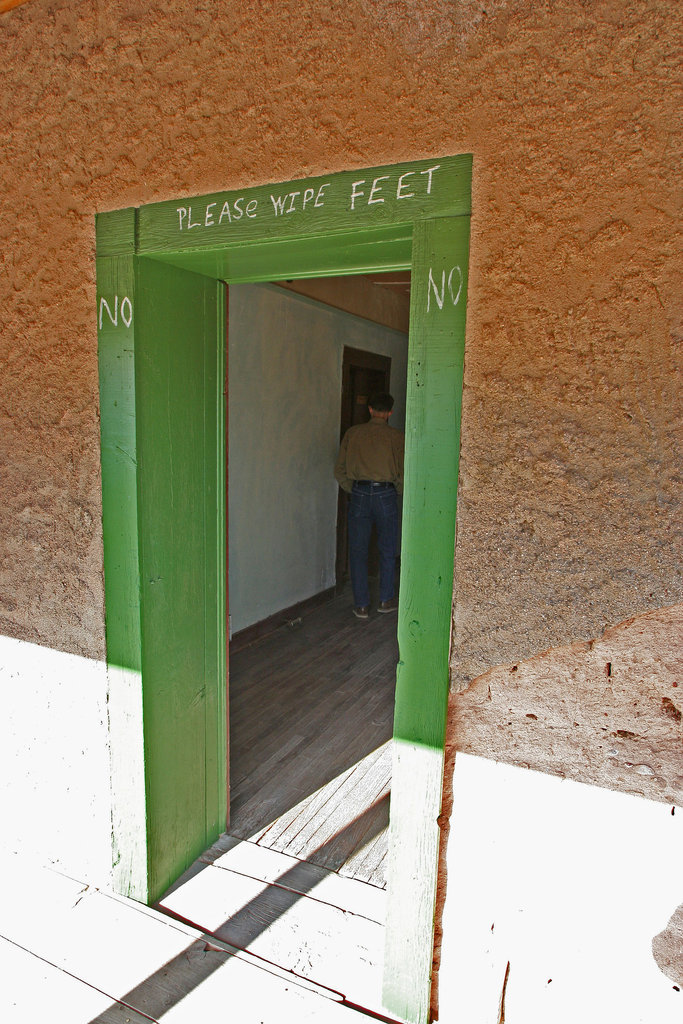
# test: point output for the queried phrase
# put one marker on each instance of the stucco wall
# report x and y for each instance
(569, 513)
(567, 498)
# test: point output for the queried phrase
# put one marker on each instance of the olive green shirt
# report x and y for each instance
(371, 451)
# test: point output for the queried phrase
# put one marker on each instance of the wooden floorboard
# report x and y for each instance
(272, 867)
(71, 954)
(311, 716)
(313, 939)
(34, 991)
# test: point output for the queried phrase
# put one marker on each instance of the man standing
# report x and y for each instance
(370, 468)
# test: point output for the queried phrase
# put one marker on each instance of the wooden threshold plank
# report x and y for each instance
(369, 862)
(299, 815)
(276, 868)
(105, 944)
(250, 823)
(347, 840)
(314, 940)
(241, 993)
(163, 969)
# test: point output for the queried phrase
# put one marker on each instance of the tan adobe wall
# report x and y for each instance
(567, 508)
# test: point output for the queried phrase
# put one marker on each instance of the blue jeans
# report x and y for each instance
(379, 505)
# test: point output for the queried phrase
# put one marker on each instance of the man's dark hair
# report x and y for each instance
(381, 402)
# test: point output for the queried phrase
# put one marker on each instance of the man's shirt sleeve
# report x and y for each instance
(340, 473)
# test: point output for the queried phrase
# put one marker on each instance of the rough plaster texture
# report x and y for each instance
(607, 712)
(569, 515)
(566, 520)
(562, 903)
(667, 947)
(54, 761)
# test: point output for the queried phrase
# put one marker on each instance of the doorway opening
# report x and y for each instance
(161, 331)
(282, 545)
(311, 688)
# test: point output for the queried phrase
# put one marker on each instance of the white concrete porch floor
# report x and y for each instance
(73, 954)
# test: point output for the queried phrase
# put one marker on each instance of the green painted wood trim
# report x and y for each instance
(215, 571)
(434, 398)
(351, 200)
(116, 232)
(179, 383)
(150, 805)
(116, 289)
(311, 256)
(119, 459)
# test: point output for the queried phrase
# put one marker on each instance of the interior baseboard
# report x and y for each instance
(259, 630)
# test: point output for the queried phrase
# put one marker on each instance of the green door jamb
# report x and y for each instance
(163, 486)
(116, 346)
(413, 215)
(433, 404)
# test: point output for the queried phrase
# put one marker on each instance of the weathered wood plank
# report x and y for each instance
(130, 947)
(130, 954)
(299, 815)
(332, 837)
(32, 989)
(115, 233)
(315, 940)
(180, 423)
(369, 861)
(302, 829)
(249, 994)
(349, 202)
(435, 374)
(327, 886)
(116, 300)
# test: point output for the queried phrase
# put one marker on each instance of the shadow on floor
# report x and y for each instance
(165, 988)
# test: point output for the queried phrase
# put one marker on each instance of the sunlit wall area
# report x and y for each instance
(558, 901)
(54, 760)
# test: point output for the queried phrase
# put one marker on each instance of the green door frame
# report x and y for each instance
(161, 349)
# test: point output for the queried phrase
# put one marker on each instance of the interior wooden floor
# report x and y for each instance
(311, 715)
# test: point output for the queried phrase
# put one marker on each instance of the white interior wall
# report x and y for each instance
(284, 399)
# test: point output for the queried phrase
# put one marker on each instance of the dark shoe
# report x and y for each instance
(388, 606)
(362, 612)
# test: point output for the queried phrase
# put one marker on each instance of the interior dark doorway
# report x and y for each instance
(363, 374)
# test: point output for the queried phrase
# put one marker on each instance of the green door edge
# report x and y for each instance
(408, 216)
